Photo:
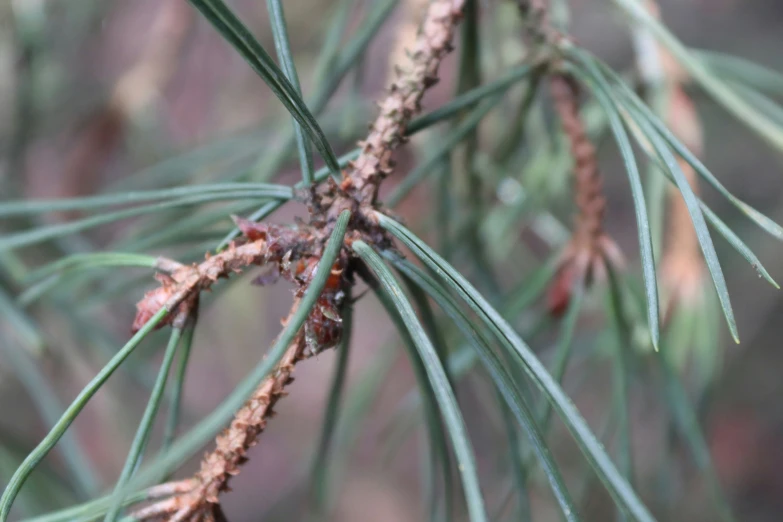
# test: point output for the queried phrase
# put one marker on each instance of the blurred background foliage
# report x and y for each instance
(112, 96)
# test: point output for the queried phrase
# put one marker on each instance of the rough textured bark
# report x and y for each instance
(414, 77)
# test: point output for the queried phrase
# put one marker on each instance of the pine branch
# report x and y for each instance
(296, 252)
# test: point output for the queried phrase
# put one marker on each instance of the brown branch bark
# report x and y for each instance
(184, 281)
(224, 461)
(414, 76)
(218, 466)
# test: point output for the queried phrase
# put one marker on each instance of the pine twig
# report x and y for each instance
(407, 32)
(184, 281)
(224, 461)
(414, 77)
(590, 249)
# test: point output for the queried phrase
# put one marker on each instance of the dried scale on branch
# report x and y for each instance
(294, 254)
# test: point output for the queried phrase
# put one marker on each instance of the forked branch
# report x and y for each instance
(295, 254)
